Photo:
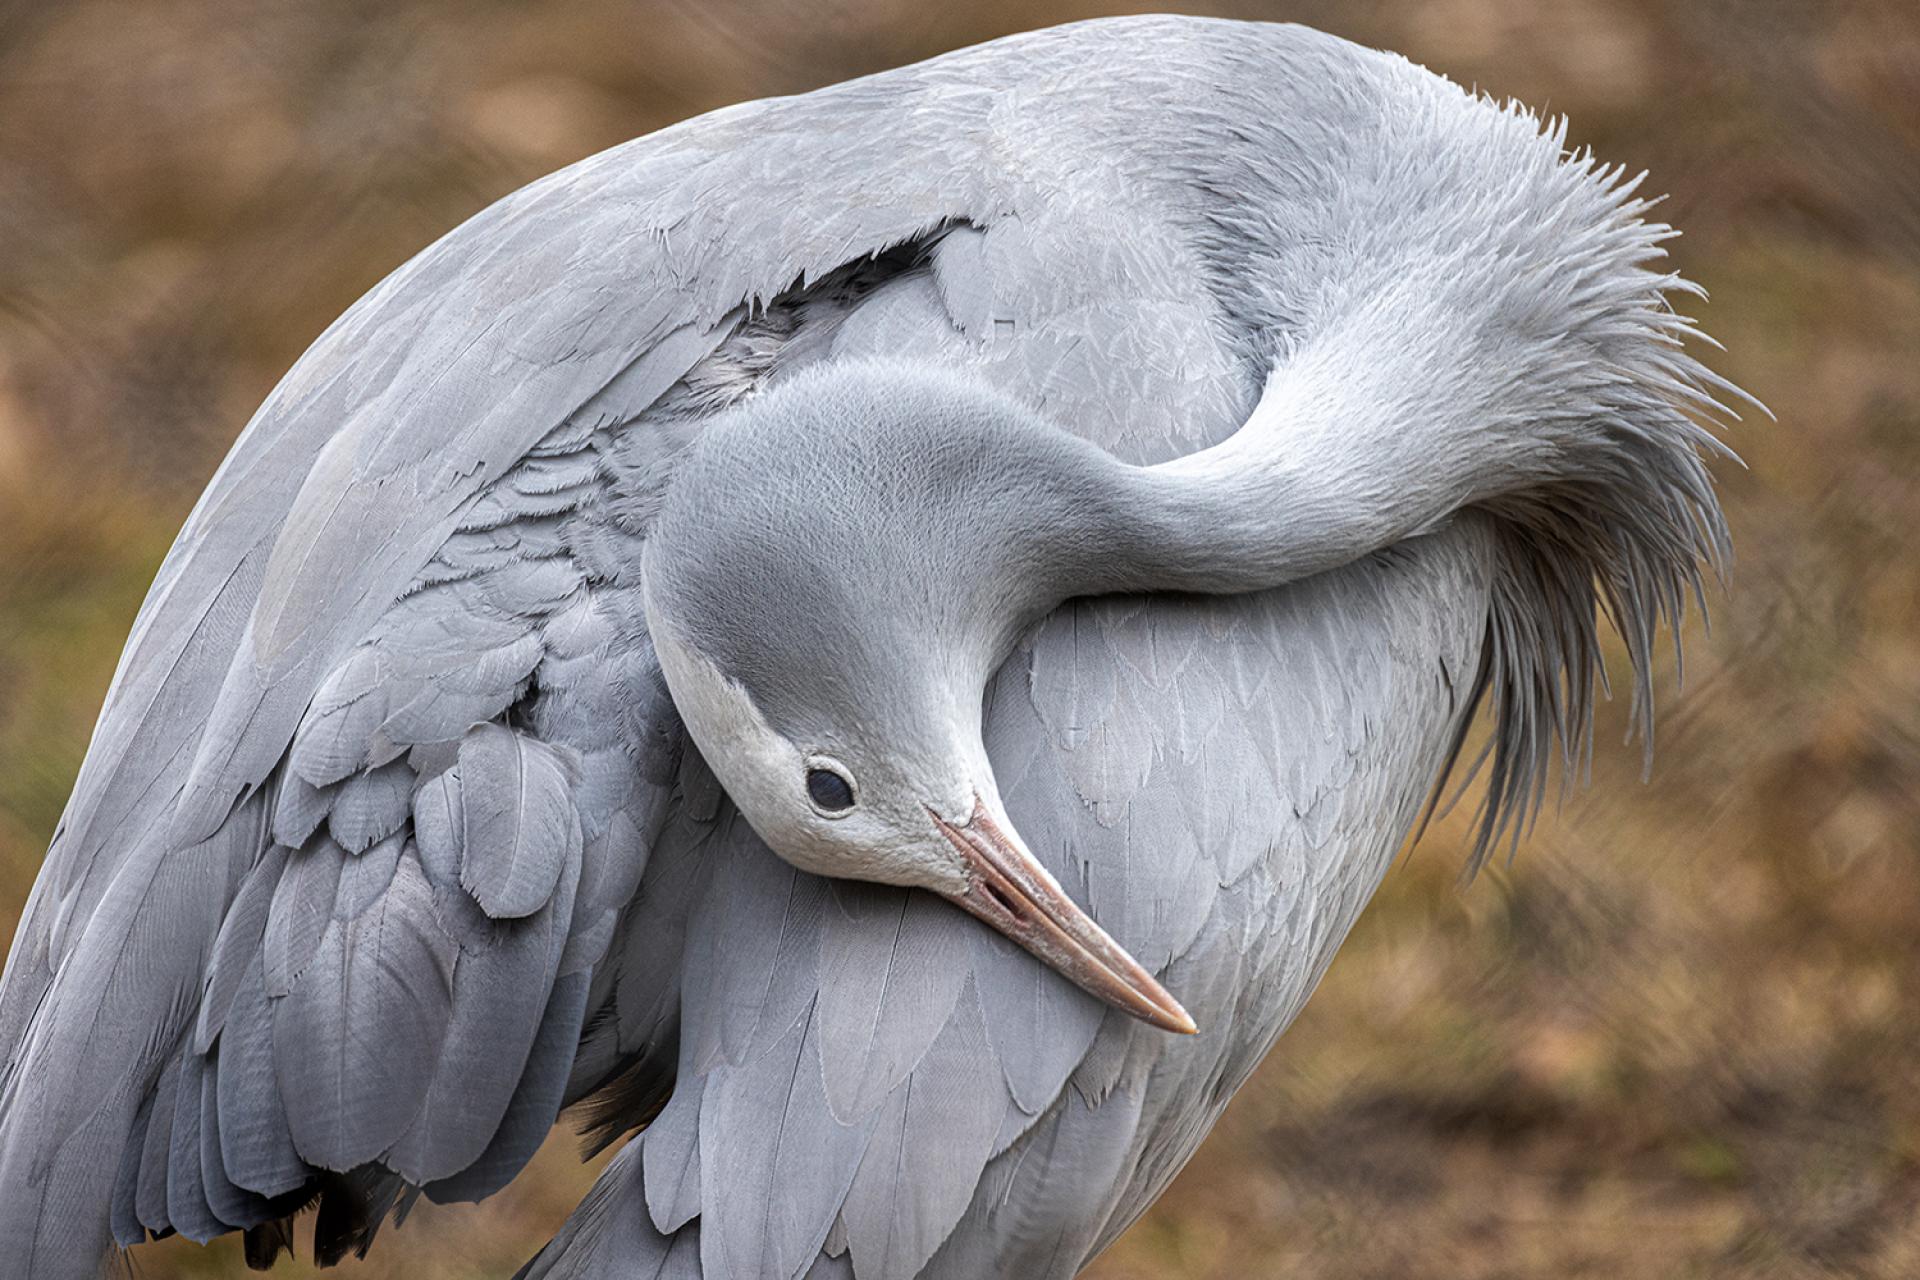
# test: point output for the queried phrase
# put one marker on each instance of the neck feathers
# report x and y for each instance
(1497, 336)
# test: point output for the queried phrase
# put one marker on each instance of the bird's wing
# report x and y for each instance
(344, 777)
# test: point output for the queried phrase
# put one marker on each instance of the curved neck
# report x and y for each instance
(1351, 448)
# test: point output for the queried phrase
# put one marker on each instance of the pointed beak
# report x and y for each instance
(1011, 891)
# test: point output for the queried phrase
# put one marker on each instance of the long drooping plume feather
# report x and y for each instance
(1632, 529)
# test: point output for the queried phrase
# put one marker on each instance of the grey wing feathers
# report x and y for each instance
(518, 826)
(382, 566)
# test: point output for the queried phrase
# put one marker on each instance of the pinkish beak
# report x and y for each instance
(1012, 892)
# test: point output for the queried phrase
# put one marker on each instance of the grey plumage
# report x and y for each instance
(256, 1142)
(391, 837)
(536, 1099)
(371, 806)
(356, 1028)
(518, 828)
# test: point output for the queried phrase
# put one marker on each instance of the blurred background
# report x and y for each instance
(1675, 1038)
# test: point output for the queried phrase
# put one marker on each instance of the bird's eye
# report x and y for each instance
(830, 791)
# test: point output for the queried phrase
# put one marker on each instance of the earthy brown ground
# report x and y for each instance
(1675, 1039)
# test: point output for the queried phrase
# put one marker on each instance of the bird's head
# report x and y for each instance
(836, 571)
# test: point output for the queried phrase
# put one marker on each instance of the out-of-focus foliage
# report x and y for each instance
(1677, 1037)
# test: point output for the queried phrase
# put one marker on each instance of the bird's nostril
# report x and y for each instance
(1007, 904)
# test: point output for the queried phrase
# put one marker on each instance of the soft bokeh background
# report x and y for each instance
(1675, 1038)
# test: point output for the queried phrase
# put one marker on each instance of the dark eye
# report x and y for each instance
(829, 791)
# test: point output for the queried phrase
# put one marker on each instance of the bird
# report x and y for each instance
(873, 645)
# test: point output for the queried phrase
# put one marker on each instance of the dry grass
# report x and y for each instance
(1675, 1038)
